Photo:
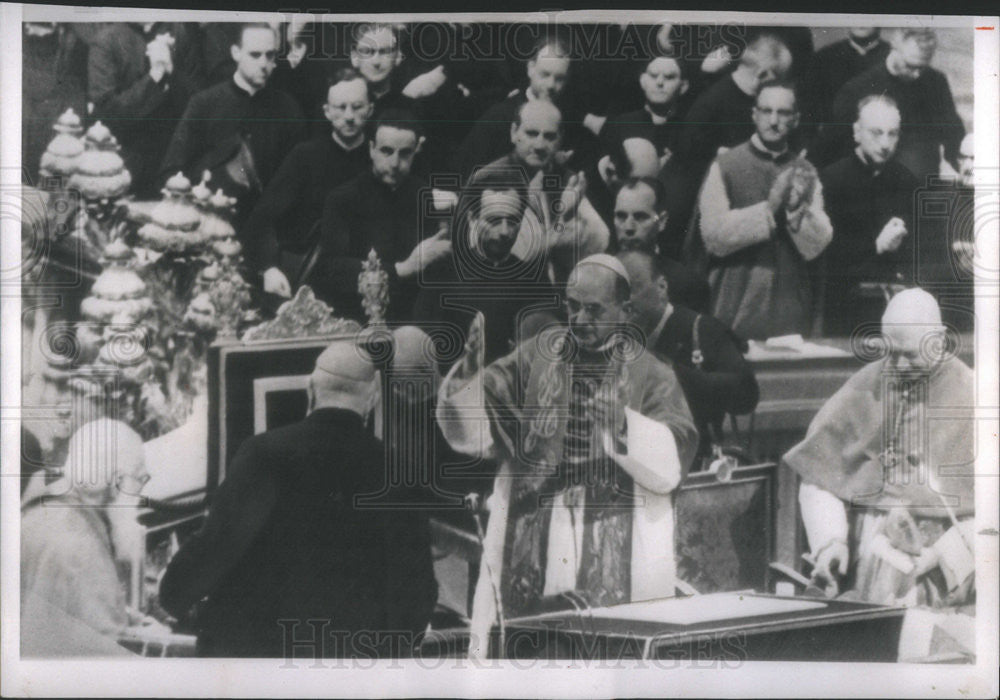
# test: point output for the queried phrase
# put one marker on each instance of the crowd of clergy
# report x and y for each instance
(602, 235)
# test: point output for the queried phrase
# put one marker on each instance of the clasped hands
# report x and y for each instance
(793, 189)
(159, 51)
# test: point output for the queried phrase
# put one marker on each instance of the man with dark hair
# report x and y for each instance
(481, 275)
(843, 60)
(640, 218)
(706, 356)
(140, 78)
(241, 129)
(286, 544)
(930, 122)
(292, 203)
(382, 209)
(548, 73)
(762, 220)
(375, 54)
(663, 84)
(560, 226)
(870, 198)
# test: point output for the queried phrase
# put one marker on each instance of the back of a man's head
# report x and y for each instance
(344, 377)
(767, 56)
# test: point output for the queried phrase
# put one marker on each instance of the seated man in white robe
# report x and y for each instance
(592, 434)
(887, 488)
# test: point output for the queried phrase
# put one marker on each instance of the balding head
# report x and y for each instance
(536, 133)
(912, 326)
(344, 377)
(765, 58)
(642, 157)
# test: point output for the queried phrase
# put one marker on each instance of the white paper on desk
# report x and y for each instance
(762, 351)
(705, 608)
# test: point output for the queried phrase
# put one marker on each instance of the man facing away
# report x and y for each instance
(287, 552)
(593, 434)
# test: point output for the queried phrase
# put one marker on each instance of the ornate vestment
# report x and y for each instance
(534, 415)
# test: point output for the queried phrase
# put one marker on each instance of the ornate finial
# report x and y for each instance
(373, 286)
(201, 192)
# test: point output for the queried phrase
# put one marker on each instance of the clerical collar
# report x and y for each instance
(863, 49)
(340, 142)
(380, 93)
(874, 168)
(658, 119)
(759, 146)
(654, 335)
(240, 82)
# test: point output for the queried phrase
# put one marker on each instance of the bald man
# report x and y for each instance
(570, 510)
(287, 541)
(869, 198)
(887, 464)
(560, 225)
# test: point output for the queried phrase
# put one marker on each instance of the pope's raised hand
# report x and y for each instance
(576, 189)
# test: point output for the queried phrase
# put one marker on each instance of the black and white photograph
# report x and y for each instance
(557, 354)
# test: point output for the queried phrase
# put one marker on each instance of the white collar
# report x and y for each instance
(243, 85)
(657, 119)
(755, 140)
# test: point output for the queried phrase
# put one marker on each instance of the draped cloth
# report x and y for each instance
(72, 599)
(898, 451)
(926, 424)
(575, 502)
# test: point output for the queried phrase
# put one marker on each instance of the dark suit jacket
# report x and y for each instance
(141, 113)
(285, 540)
(725, 383)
